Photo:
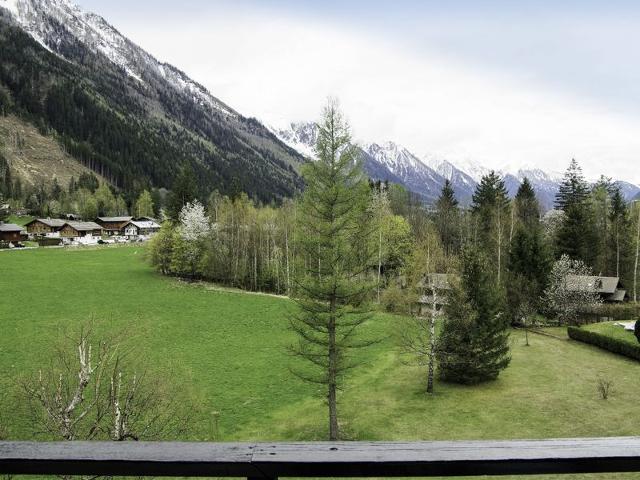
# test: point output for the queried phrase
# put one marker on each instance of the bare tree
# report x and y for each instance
(94, 391)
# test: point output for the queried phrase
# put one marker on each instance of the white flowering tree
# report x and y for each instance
(194, 223)
(572, 290)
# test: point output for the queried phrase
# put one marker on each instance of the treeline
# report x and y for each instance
(85, 197)
(255, 247)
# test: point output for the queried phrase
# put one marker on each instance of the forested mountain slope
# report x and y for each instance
(136, 129)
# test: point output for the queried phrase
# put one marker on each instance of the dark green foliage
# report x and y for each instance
(574, 189)
(447, 218)
(6, 182)
(529, 259)
(636, 330)
(576, 236)
(473, 345)
(136, 136)
(184, 190)
(605, 342)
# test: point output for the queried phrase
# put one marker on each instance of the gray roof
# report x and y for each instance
(51, 222)
(10, 227)
(115, 219)
(84, 226)
(593, 283)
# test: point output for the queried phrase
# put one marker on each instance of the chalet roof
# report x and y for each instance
(143, 224)
(114, 219)
(50, 222)
(84, 226)
(593, 283)
(10, 227)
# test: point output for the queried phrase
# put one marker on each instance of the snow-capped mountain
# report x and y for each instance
(387, 161)
(42, 19)
(301, 136)
(426, 176)
(414, 173)
(163, 120)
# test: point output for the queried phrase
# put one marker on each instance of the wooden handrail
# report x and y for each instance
(323, 459)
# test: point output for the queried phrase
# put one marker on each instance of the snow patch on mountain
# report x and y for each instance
(39, 19)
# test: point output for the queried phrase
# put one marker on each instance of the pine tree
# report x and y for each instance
(574, 189)
(335, 240)
(184, 191)
(473, 345)
(447, 218)
(490, 208)
(576, 236)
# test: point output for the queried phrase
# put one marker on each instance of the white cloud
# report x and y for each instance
(281, 69)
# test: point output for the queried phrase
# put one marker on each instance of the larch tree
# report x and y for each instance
(332, 288)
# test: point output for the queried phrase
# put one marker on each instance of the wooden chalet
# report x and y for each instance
(610, 289)
(12, 233)
(44, 226)
(137, 228)
(113, 225)
(73, 229)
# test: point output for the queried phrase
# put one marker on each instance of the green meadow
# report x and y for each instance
(225, 352)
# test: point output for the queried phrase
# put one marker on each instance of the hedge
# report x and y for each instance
(49, 242)
(607, 343)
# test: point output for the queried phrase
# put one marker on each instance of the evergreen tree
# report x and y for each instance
(473, 345)
(335, 240)
(184, 191)
(574, 189)
(529, 258)
(576, 236)
(490, 208)
(447, 218)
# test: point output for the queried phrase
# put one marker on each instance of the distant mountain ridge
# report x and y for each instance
(425, 176)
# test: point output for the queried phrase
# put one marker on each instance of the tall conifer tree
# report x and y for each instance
(335, 239)
(448, 218)
(473, 346)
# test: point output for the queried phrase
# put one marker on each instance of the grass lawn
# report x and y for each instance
(226, 351)
(611, 330)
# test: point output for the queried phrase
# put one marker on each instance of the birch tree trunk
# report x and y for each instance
(432, 342)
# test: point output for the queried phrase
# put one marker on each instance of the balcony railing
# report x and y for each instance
(323, 459)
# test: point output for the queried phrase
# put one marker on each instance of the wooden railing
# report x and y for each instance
(323, 459)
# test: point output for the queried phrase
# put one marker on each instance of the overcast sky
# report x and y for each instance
(494, 82)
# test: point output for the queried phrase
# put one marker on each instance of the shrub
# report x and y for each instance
(49, 242)
(603, 341)
(636, 330)
(617, 311)
(604, 388)
(396, 300)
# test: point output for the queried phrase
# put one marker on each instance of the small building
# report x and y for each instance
(610, 289)
(12, 233)
(434, 287)
(73, 229)
(137, 228)
(113, 225)
(41, 227)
